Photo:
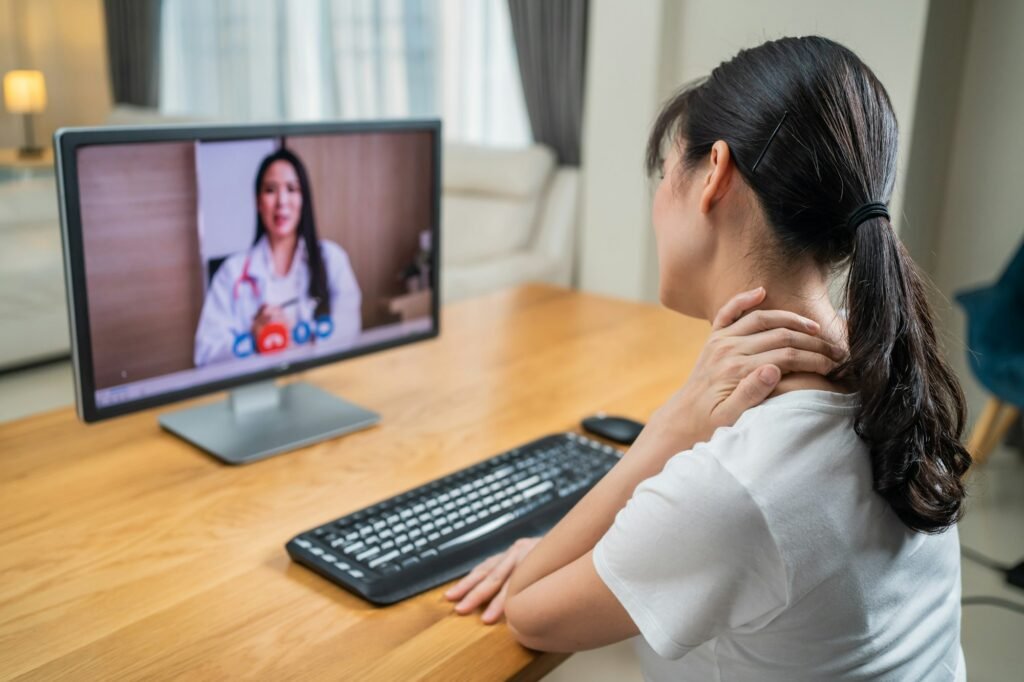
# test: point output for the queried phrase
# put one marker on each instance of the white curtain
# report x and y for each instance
(267, 60)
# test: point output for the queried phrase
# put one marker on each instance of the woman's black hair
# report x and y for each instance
(834, 152)
(318, 289)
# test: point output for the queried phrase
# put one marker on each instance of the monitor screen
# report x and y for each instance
(202, 258)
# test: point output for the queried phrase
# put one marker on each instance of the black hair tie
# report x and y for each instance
(873, 209)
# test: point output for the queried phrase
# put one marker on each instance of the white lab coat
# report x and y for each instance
(232, 302)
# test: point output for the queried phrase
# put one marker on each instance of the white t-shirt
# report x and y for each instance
(764, 554)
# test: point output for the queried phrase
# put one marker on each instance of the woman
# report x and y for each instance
(806, 527)
(289, 288)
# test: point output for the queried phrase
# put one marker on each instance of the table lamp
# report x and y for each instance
(25, 93)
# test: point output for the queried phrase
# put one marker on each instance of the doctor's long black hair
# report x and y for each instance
(318, 288)
(834, 150)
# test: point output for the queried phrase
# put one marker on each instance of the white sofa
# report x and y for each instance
(508, 216)
(35, 323)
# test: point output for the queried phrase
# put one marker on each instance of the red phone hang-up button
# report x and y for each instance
(273, 338)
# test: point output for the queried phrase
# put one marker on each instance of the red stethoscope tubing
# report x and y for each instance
(246, 278)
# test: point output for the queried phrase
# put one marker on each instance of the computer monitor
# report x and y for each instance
(203, 258)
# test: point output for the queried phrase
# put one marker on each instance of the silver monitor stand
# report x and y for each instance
(263, 419)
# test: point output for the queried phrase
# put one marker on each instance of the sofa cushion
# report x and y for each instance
(476, 227)
(495, 171)
(31, 200)
(491, 199)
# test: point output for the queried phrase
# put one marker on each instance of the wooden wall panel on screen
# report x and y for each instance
(143, 275)
(372, 195)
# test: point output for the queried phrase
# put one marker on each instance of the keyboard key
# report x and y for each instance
(368, 553)
(384, 558)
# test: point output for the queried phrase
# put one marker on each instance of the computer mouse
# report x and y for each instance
(619, 429)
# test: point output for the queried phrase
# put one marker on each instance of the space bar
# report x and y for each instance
(480, 530)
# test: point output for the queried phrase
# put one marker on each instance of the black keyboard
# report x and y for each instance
(429, 535)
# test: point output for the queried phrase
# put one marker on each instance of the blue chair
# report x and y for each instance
(995, 342)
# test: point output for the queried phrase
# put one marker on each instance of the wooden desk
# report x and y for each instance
(127, 554)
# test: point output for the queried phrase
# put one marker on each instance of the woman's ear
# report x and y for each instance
(718, 177)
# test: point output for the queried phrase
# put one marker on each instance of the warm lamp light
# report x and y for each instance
(25, 93)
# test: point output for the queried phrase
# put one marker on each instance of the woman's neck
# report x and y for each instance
(282, 253)
(803, 291)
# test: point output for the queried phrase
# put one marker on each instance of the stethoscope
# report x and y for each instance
(246, 278)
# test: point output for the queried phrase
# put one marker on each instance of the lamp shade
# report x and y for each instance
(24, 92)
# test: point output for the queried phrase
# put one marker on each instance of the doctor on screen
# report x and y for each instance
(289, 288)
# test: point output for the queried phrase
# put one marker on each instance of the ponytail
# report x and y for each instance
(912, 413)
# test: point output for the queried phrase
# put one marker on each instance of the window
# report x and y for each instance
(264, 60)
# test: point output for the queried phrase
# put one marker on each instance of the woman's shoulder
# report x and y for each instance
(232, 265)
(804, 427)
(332, 253)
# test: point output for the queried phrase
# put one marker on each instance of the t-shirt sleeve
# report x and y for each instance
(691, 556)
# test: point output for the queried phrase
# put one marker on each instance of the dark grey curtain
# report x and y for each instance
(133, 50)
(551, 42)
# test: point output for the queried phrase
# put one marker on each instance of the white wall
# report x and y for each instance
(66, 40)
(640, 51)
(621, 96)
(982, 218)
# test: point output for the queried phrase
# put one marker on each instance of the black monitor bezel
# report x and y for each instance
(66, 143)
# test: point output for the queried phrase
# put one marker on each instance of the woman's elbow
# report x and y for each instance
(523, 623)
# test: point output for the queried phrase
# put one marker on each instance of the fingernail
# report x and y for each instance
(811, 325)
(769, 375)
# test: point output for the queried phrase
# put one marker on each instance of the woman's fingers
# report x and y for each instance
(766, 320)
(497, 606)
(459, 590)
(490, 585)
(736, 306)
(781, 337)
(790, 360)
(752, 391)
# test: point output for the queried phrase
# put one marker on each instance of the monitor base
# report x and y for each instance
(262, 419)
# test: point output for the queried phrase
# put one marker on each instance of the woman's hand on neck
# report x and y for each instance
(799, 289)
(282, 252)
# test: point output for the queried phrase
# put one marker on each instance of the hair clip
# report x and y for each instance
(761, 156)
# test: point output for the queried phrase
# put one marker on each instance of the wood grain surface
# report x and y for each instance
(128, 554)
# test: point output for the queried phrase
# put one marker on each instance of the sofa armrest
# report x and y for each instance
(555, 236)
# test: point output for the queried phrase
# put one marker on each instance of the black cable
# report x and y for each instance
(993, 601)
(979, 558)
